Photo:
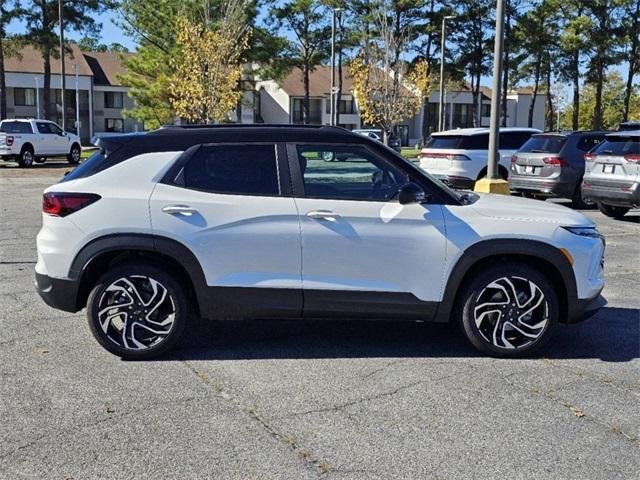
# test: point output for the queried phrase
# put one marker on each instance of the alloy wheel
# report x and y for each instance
(75, 155)
(511, 312)
(136, 312)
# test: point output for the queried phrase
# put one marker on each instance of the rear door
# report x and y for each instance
(231, 206)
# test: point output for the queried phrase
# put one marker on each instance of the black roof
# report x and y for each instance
(566, 133)
(182, 137)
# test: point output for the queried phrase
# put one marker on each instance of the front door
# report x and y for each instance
(228, 206)
(364, 254)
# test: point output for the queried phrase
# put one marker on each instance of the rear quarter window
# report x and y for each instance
(15, 127)
(513, 140)
(465, 142)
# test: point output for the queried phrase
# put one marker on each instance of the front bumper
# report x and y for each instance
(58, 293)
(580, 309)
(550, 187)
(620, 194)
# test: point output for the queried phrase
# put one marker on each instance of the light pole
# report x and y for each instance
(332, 108)
(442, 44)
(37, 98)
(62, 73)
(75, 67)
(492, 184)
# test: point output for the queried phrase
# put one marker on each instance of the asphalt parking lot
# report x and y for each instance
(297, 400)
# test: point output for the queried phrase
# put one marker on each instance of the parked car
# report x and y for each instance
(630, 125)
(552, 165)
(394, 142)
(612, 173)
(232, 222)
(459, 157)
(27, 140)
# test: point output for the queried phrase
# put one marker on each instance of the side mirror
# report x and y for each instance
(411, 193)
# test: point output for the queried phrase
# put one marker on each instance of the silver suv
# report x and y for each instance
(552, 165)
(612, 173)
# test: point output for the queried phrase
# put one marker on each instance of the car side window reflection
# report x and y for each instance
(347, 173)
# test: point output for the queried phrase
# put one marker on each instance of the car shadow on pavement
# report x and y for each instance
(613, 335)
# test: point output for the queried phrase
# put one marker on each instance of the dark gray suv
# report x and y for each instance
(552, 165)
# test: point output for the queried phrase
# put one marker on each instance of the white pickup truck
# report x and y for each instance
(27, 141)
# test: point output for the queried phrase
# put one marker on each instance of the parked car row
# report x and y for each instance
(588, 167)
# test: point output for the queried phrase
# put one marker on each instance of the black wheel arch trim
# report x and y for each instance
(141, 242)
(487, 249)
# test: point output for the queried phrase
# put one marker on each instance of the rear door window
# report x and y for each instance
(15, 127)
(513, 140)
(588, 142)
(543, 144)
(233, 169)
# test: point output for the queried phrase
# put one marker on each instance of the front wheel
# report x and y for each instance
(508, 310)
(612, 211)
(137, 311)
(74, 155)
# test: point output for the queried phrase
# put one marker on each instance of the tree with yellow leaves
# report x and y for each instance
(381, 79)
(205, 85)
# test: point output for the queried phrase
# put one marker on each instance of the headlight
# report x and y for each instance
(584, 231)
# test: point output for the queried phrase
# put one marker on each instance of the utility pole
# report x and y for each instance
(492, 184)
(75, 66)
(62, 76)
(442, 46)
(37, 98)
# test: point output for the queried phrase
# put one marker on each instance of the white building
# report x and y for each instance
(102, 98)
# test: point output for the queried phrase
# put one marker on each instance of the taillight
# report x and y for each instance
(448, 156)
(589, 157)
(9, 140)
(632, 157)
(514, 158)
(555, 161)
(63, 204)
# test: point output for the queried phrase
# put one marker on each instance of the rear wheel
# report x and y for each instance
(25, 160)
(508, 310)
(74, 155)
(579, 201)
(613, 210)
(137, 311)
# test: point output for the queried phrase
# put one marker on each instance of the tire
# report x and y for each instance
(25, 160)
(487, 303)
(74, 154)
(40, 159)
(613, 211)
(131, 339)
(328, 156)
(579, 202)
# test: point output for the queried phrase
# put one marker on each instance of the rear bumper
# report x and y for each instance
(551, 187)
(58, 293)
(581, 309)
(621, 194)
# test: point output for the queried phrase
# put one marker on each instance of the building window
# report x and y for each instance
(24, 97)
(112, 99)
(486, 110)
(346, 106)
(113, 125)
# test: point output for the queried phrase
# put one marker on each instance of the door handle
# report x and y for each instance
(323, 215)
(179, 210)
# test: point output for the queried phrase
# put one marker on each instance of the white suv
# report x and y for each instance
(28, 141)
(459, 157)
(235, 222)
